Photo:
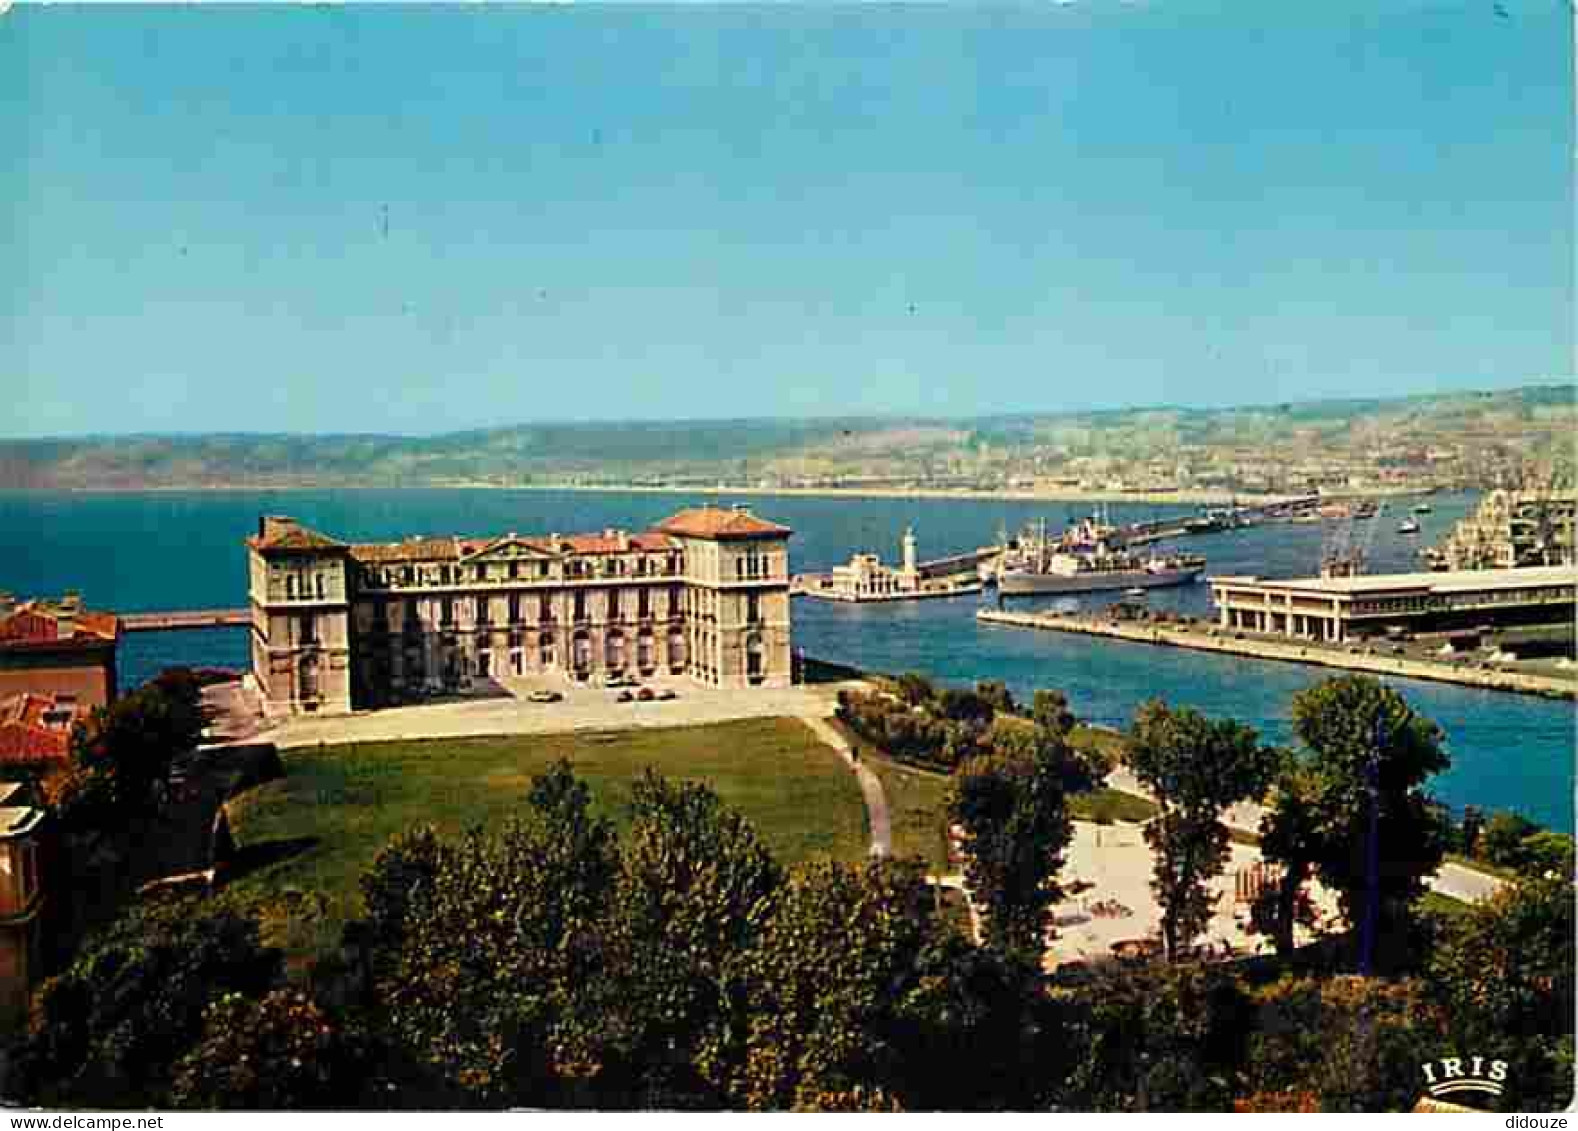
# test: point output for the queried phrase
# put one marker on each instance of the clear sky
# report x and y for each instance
(418, 219)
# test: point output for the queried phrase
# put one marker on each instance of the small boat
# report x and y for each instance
(1134, 592)
(1422, 508)
(1408, 526)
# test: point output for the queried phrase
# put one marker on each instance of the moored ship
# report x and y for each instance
(1102, 569)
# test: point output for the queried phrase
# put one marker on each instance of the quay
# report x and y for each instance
(171, 620)
(865, 578)
(1210, 638)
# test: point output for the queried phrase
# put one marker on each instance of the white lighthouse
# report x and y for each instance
(909, 570)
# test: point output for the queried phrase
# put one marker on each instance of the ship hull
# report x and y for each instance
(1011, 583)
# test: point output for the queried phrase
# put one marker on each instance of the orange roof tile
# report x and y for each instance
(28, 735)
(279, 533)
(719, 522)
(38, 622)
(411, 550)
(453, 549)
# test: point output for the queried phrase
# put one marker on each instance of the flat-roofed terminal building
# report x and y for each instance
(1339, 609)
(339, 626)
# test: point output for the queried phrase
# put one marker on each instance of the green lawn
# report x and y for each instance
(305, 839)
(917, 802)
(1105, 806)
(1088, 738)
(1434, 903)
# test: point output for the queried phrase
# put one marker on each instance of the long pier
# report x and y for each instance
(174, 619)
(1174, 635)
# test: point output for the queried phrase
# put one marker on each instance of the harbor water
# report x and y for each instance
(132, 552)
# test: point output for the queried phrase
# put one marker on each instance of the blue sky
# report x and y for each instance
(406, 219)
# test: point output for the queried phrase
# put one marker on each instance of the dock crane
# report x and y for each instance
(1346, 545)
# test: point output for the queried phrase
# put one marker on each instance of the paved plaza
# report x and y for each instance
(1119, 906)
(505, 707)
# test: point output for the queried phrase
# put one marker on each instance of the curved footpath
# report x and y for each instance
(870, 786)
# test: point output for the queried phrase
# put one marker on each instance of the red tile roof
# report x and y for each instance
(27, 736)
(38, 622)
(719, 522)
(411, 550)
(279, 533)
(453, 549)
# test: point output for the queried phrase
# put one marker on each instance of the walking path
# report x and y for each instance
(870, 786)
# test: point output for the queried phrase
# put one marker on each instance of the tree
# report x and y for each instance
(277, 1053)
(1473, 826)
(1368, 756)
(1349, 1044)
(1547, 855)
(824, 985)
(1014, 812)
(1289, 834)
(1051, 712)
(971, 1005)
(915, 689)
(695, 889)
(1504, 976)
(1195, 768)
(996, 694)
(499, 980)
(1502, 840)
(108, 1030)
(1159, 1038)
(121, 754)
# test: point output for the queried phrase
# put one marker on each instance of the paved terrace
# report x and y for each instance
(510, 711)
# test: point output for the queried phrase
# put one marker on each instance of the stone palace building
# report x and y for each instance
(339, 626)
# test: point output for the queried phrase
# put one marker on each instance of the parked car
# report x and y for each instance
(667, 693)
(646, 695)
(544, 696)
(624, 696)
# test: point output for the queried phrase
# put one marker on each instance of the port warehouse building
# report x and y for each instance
(1340, 609)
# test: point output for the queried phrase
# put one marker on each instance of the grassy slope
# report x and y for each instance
(317, 829)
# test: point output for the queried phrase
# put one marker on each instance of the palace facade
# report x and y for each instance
(340, 626)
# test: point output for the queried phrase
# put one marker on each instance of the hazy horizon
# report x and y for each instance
(415, 221)
(876, 417)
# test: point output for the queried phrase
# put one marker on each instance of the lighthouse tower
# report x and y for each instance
(909, 569)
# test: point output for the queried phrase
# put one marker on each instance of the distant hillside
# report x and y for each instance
(742, 451)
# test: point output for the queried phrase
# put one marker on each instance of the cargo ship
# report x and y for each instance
(1066, 571)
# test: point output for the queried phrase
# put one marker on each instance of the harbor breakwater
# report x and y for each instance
(1174, 635)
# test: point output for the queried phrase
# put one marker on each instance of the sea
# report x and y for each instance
(145, 551)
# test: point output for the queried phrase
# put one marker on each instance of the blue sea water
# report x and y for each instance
(168, 550)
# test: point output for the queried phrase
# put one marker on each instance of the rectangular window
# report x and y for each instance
(483, 615)
(644, 603)
(290, 587)
(580, 604)
(613, 604)
(446, 616)
(515, 570)
(480, 572)
(515, 608)
(545, 609)
(309, 629)
(753, 609)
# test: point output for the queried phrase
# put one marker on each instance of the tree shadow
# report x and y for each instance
(249, 858)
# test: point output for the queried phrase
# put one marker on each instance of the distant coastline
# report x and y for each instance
(1199, 498)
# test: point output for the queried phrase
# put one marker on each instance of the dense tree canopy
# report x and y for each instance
(109, 1028)
(1195, 768)
(1368, 756)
